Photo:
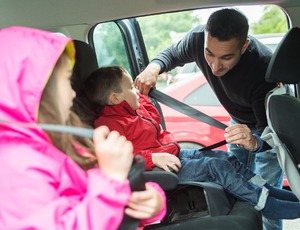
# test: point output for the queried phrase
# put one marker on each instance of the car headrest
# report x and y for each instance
(85, 64)
(285, 61)
(86, 61)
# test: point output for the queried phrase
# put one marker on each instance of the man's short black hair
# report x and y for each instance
(226, 24)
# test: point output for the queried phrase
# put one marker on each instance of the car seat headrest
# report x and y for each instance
(86, 61)
(85, 64)
(285, 62)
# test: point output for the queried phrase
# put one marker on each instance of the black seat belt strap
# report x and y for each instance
(213, 146)
(189, 111)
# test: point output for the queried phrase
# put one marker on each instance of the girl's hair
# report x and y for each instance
(100, 84)
(226, 24)
(50, 112)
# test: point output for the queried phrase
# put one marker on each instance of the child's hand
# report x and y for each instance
(114, 153)
(166, 161)
(144, 204)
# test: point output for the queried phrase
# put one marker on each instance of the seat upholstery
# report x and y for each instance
(283, 109)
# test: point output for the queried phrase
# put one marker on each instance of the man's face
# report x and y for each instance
(222, 56)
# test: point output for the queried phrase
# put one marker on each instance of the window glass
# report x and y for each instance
(109, 45)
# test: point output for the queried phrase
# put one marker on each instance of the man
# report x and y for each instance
(234, 66)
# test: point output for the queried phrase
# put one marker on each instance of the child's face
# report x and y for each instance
(64, 89)
(129, 92)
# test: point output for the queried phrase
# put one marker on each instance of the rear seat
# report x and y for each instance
(191, 205)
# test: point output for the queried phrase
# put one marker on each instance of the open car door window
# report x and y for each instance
(119, 43)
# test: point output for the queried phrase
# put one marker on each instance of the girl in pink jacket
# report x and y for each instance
(44, 182)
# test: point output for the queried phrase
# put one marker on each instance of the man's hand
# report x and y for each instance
(240, 134)
(147, 79)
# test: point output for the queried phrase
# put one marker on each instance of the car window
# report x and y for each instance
(270, 40)
(109, 45)
(159, 31)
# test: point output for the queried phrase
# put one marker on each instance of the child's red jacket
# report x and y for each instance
(141, 127)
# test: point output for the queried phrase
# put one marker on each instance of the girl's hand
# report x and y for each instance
(114, 153)
(144, 204)
(166, 161)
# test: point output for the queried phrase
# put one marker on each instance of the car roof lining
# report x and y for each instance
(93, 11)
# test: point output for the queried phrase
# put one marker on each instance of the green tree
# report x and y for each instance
(156, 29)
(109, 45)
(272, 21)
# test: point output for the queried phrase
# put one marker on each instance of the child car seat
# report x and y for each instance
(190, 205)
(283, 109)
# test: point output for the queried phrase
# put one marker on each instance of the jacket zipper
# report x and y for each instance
(157, 129)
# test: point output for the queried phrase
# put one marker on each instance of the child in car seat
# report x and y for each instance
(116, 103)
(45, 182)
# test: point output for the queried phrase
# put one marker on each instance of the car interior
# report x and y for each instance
(190, 205)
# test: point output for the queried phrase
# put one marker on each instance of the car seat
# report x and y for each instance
(190, 205)
(283, 109)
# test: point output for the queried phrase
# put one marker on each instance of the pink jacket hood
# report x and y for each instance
(22, 81)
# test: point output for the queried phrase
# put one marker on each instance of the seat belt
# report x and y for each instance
(81, 132)
(135, 175)
(189, 111)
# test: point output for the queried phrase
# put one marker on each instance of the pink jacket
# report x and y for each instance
(141, 127)
(41, 187)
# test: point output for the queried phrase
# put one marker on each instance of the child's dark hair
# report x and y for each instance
(100, 84)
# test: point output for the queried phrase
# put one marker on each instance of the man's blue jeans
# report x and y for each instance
(221, 168)
(264, 164)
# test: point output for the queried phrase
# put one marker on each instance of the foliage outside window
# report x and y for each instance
(109, 45)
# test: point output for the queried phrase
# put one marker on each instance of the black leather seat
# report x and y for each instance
(190, 205)
(283, 109)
